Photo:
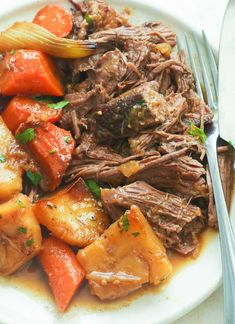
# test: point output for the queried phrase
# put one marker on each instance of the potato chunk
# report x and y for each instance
(10, 171)
(126, 256)
(73, 215)
(20, 234)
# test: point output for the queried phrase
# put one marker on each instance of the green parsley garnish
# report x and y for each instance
(2, 158)
(229, 143)
(26, 136)
(140, 102)
(12, 52)
(20, 203)
(135, 234)
(29, 243)
(89, 20)
(67, 139)
(58, 105)
(34, 177)
(94, 188)
(124, 223)
(197, 132)
(52, 151)
(51, 102)
(22, 230)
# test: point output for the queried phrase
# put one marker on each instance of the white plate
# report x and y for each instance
(188, 287)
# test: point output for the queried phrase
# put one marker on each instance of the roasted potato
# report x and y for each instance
(10, 171)
(20, 234)
(73, 215)
(126, 256)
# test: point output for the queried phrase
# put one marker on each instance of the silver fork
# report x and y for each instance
(208, 69)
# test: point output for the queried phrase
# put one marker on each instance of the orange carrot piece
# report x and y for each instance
(29, 72)
(63, 270)
(55, 19)
(22, 109)
(52, 148)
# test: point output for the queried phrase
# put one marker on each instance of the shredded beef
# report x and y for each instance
(104, 74)
(181, 175)
(175, 221)
(198, 112)
(153, 32)
(101, 14)
(175, 171)
(163, 142)
(225, 160)
(131, 107)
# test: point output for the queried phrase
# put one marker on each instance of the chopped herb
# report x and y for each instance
(2, 158)
(89, 20)
(197, 132)
(58, 105)
(22, 230)
(44, 99)
(52, 151)
(26, 136)
(140, 102)
(94, 188)
(29, 243)
(51, 102)
(20, 203)
(135, 234)
(12, 52)
(67, 139)
(124, 223)
(34, 177)
(229, 143)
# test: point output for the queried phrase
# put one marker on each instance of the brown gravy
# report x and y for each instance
(33, 279)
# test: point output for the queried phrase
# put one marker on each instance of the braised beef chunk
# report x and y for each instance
(225, 160)
(97, 15)
(172, 74)
(174, 220)
(175, 171)
(198, 111)
(153, 32)
(154, 140)
(138, 109)
(104, 72)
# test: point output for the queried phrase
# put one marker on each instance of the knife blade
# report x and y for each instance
(226, 80)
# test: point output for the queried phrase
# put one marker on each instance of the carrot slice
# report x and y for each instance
(63, 270)
(55, 19)
(21, 109)
(29, 72)
(52, 148)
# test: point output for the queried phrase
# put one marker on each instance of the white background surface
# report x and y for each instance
(206, 14)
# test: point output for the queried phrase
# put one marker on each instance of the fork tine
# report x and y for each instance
(179, 44)
(209, 94)
(212, 61)
(193, 66)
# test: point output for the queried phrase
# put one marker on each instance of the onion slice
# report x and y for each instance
(26, 35)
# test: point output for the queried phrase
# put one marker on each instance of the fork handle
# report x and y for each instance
(227, 239)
